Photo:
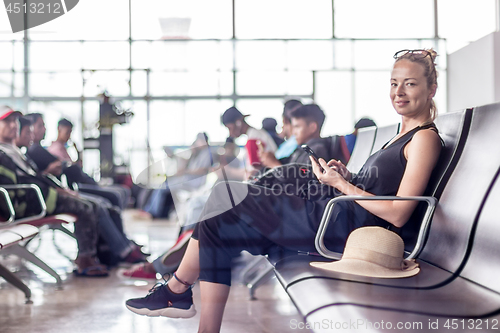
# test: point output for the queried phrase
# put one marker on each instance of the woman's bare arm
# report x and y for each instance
(422, 153)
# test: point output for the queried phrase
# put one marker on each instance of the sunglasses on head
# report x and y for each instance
(419, 54)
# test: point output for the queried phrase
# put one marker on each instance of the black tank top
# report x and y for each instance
(383, 171)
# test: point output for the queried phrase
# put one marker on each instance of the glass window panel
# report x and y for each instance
(115, 82)
(261, 83)
(91, 119)
(167, 124)
(203, 55)
(182, 55)
(258, 109)
(56, 84)
(372, 97)
(91, 163)
(88, 20)
(283, 19)
(19, 56)
(139, 83)
(207, 114)
(55, 56)
(5, 84)
(19, 84)
(260, 55)
(202, 19)
(132, 149)
(384, 19)
(462, 22)
(226, 55)
(310, 54)
(226, 83)
(105, 55)
(299, 83)
(142, 55)
(180, 84)
(6, 56)
(167, 55)
(334, 96)
(343, 58)
(365, 58)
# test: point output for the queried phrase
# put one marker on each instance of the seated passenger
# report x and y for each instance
(269, 125)
(260, 221)
(16, 170)
(288, 147)
(306, 122)
(109, 221)
(235, 122)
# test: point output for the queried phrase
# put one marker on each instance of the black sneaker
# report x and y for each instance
(162, 302)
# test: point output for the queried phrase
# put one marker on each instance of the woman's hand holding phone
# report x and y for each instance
(340, 168)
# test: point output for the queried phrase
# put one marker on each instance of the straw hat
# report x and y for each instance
(374, 252)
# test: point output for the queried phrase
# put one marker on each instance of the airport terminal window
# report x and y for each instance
(206, 112)
(312, 55)
(5, 84)
(383, 19)
(183, 56)
(261, 55)
(380, 52)
(259, 109)
(56, 84)
(48, 56)
(186, 83)
(283, 19)
(18, 84)
(91, 20)
(138, 83)
(374, 97)
(6, 56)
(116, 83)
(197, 19)
(133, 149)
(274, 83)
(105, 55)
(334, 92)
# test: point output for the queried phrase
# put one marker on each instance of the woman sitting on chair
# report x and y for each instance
(260, 220)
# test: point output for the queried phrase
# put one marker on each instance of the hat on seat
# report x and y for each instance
(375, 252)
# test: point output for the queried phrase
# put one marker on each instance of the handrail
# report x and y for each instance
(325, 221)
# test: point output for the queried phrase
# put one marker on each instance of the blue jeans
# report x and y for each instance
(109, 228)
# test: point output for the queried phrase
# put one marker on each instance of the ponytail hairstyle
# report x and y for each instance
(427, 58)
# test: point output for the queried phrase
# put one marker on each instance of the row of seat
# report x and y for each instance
(459, 255)
(15, 233)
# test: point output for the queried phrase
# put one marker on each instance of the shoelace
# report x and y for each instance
(158, 285)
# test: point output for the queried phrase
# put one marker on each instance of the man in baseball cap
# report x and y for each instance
(6, 111)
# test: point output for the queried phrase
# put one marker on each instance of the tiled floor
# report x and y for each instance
(97, 305)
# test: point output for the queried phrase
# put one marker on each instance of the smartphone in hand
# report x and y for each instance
(314, 156)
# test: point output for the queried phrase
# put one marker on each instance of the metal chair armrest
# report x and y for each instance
(39, 196)
(12, 212)
(325, 221)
